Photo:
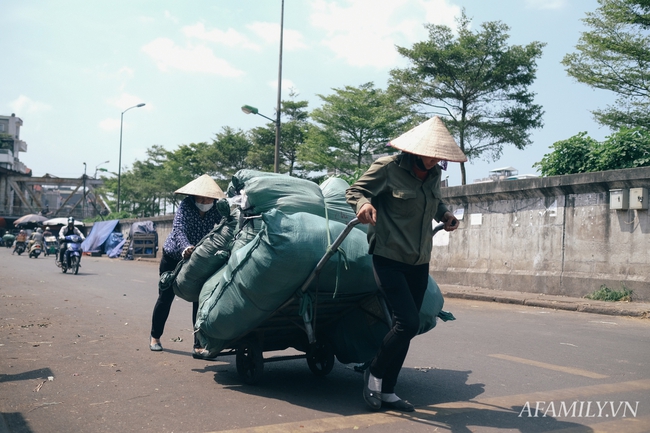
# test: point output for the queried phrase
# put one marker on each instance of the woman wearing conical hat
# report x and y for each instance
(399, 196)
(195, 218)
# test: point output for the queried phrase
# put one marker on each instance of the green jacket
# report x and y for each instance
(405, 207)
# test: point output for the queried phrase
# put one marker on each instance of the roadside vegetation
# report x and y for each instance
(607, 294)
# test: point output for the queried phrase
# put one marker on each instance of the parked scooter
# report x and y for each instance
(35, 249)
(72, 255)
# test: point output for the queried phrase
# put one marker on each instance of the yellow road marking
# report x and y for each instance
(569, 370)
(431, 414)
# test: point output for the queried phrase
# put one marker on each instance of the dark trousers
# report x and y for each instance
(404, 287)
(164, 303)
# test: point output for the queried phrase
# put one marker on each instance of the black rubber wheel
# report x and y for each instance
(74, 264)
(250, 362)
(320, 357)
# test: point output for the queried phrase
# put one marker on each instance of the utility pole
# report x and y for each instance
(83, 207)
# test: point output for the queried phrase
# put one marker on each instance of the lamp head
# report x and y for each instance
(142, 104)
(249, 109)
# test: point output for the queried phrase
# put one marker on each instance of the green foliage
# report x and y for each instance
(352, 125)
(627, 148)
(6, 142)
(294, 130)
(614, 55)
(478, 81)
(607, 294)
(569, 156)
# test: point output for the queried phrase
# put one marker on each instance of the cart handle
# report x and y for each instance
(330, 252)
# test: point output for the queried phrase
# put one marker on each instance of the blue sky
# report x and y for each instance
(70, 67)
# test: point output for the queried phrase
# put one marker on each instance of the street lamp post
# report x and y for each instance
(248, 109)
(83, 207)
(276, 168)
(100, 169)
(119, 167)
(95, 192)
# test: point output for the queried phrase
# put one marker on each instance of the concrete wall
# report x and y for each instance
(554, 235)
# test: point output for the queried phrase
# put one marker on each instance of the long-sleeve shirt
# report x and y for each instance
(189, 227)
(406, 207)
(66, 231)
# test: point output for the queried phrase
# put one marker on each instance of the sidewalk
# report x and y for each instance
(632, 309)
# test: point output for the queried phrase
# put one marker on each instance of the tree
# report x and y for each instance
(627, 148)
(569, 156)
(227, 154)
(478, 82)
(353, 124)
(293, 135)
(615, 56)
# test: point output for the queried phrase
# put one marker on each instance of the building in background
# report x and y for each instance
(11, 145)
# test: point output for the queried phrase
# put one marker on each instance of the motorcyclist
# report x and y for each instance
(36, 237)
(21, 238)
(70, 229)
(46, 233)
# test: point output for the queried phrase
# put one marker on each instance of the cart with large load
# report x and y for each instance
(269, 277)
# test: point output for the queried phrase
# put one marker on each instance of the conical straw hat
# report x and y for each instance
(203, 186)
(431, 139)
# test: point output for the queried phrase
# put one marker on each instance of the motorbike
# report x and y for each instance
(35, 249)
(8, 240)
(20, 247)
(72, 255)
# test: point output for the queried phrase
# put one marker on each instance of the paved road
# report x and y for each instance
(492, 370)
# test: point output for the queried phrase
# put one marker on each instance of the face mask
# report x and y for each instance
(204, 207)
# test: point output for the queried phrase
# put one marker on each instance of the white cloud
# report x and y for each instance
(122, 102)
(441, 12)
(172, 18)
(229, 38)
(365, 34)
(546, 4)
(24, 104)
(126, 72)
(109, 124)
(199, 58)
(291, 39)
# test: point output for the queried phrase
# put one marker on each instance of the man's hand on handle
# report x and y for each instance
(451, 223)
(367, 214)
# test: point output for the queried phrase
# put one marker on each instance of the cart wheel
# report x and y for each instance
(320, 357)
(250, 362)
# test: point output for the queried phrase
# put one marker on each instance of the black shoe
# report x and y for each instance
(155, 347)
(401, 405)
(198, 353)
(372, 398)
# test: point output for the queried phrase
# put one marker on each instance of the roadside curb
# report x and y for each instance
(630, 309)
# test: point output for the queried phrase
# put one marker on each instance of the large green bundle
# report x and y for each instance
(239, 179)
(209, 255)
(338, 209)
(285, 193)
(266, 272)
(357, 336)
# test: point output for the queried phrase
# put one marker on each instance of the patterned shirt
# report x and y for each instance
(189, 227)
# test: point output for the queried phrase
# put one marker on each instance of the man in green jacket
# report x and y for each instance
(399, 196)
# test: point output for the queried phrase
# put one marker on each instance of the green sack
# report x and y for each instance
(267, 271)
(338, 209)
(285, 193)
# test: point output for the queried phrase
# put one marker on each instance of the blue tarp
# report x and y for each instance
(116, 251)
(98, 234)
